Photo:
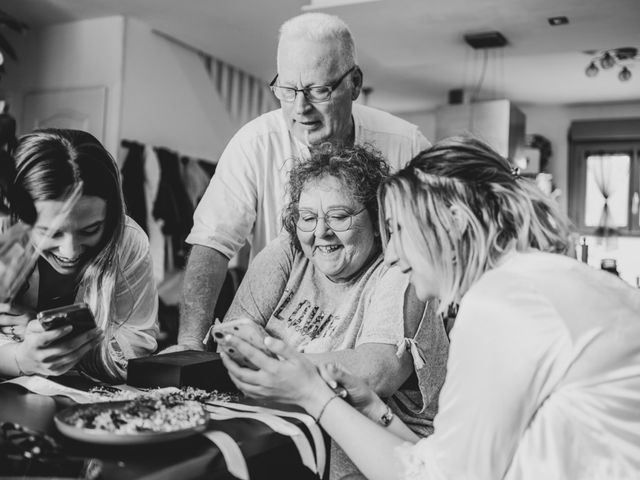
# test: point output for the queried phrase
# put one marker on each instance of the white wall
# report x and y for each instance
(168, 99)
(157, 92)
(81, 54)
(426, 121)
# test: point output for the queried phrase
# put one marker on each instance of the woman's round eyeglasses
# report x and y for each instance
(338, 221)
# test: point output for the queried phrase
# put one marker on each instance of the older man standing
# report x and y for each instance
(318, 79)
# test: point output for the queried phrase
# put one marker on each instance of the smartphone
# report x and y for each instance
(78, 315)
(247, 330)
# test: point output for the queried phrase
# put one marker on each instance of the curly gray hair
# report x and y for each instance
(360, 170)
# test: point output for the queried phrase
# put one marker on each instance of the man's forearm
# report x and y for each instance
(377, 363)
(203, 279)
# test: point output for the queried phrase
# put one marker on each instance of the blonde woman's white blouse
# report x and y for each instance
(543, 378)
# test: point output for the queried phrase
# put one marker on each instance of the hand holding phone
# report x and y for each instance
(78, 315)
(56, 340)
(247, 330)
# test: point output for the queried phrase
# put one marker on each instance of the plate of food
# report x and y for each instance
(143, 419)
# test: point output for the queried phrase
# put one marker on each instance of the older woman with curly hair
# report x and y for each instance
(323, 288)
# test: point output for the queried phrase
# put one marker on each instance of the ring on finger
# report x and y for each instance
(14, 335)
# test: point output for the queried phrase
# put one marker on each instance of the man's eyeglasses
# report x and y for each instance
(313, 94)
(336, 220)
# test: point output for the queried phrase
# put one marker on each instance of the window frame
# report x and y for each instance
(606, 136)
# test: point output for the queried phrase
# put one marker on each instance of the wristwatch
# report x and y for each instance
(386, 418)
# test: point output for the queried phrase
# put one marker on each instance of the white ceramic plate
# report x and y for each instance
(93, 435)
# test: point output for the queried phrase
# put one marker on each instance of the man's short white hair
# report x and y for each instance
(322, 27)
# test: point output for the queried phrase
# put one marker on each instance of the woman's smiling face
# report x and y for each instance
(402, 252)
(338, 255)
(74, 242)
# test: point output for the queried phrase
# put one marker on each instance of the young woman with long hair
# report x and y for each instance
(95, 254)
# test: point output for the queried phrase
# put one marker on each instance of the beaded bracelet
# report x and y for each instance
(324, 407)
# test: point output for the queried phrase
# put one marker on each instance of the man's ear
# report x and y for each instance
(460, 219)
(356, 79)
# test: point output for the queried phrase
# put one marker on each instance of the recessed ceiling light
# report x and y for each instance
(555, 21)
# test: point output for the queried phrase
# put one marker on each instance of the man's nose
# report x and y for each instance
(301, 103)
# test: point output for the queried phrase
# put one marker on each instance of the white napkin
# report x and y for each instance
(44, 386)
(231, 453)
(49, 388)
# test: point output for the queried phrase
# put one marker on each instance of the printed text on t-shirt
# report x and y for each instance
(305, 318)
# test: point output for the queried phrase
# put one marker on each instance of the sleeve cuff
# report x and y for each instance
(227, 251)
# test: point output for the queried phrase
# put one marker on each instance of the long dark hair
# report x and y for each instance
(12, 197)
(49, 164)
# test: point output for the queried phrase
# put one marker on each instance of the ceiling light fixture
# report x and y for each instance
(625, 74)
(607, 59)
(485, 40)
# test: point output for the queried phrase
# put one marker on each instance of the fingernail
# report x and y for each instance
(334, 384)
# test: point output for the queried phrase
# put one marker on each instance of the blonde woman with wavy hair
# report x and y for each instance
(543, 374)
(469, 189)
(97, 255)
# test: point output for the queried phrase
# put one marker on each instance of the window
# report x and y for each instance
(604, 177)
